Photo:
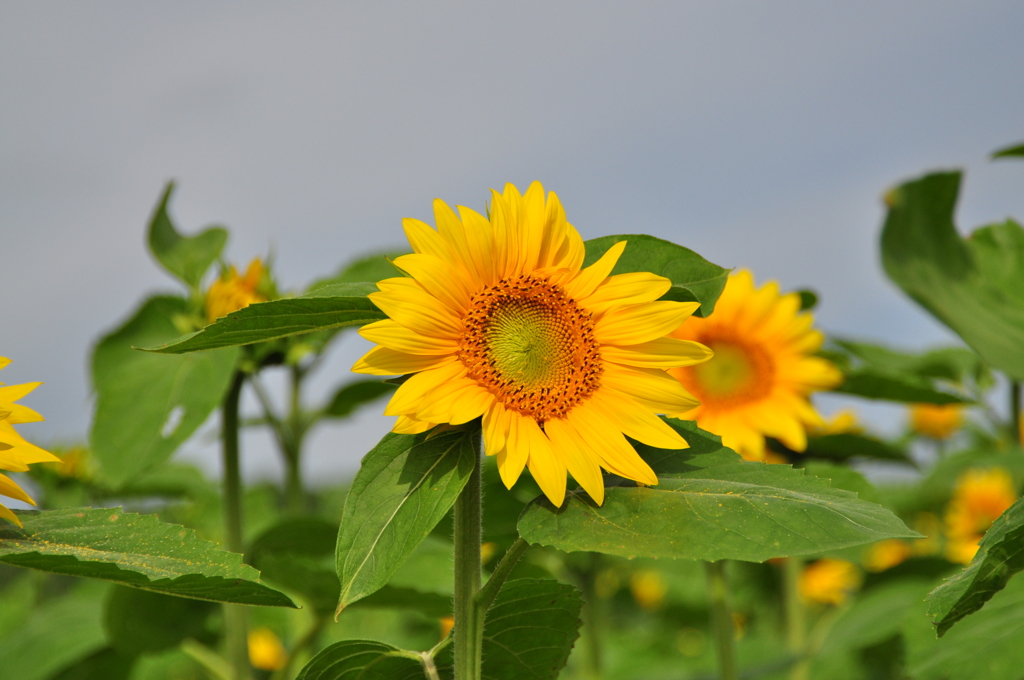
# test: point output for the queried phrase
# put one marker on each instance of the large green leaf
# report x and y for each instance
(186, 257)
(999, 557)
(133, 550)
(424, 581)
(405, 486)
(147, 405)
(693, 278)
(711, 505)
(530, 630)
(846, 445)
(364, 660)
(144, 622)
(953, 364)
(986, 645)
(60, 633)
(354, 394)
(334, 306)
(298, 555)
(975, 286)
(872, 383)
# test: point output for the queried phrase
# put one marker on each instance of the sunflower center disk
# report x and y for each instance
(738, 373)
(531, 346)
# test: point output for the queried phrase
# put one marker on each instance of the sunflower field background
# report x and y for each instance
(599, 454)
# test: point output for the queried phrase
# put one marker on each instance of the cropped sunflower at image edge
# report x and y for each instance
(16, 454)
(498, 319)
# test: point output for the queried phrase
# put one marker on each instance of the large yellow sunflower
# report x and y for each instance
(497, 318)
(763, 371)
(16, 454)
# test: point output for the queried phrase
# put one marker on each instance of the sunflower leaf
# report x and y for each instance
(333, 306)
(354, 394)
(710, 504)
(186, 257)
(365, 660)
(148, 405)
(975, 286)
(872, 383)
(1000, 555)
(694, 279)
(133, 550)
(404, 487)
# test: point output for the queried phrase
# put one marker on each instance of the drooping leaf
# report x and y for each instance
(372, 268)
(872, 383)
(530, 630)
(363, 660)
(186, 257)
(147, 405)
(846, 445)
(144, 622)
(975, 286)
(334, 306)
(106, 664)
(354, 394)
(986, 645)
(694, 279)
(133, 550)
(298, 555)
(710, 504)
(1000, 556)
(59, 634)
(953, 364)
(405, 486)
(1012, 151)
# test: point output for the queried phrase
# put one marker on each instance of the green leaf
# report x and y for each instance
(693, 278)
(808, 299)
(354, 394)
(711, 505)
(953, 364)
(986, 645)
(298, 555)
(1000, 556)
(106, 664)
(974, 286)
(530, 630)
(60, 633)
(133, 550)
(363, 660)
(144, 622)
(373, 268)
(846, 445)
(424, 581)
(872, 383)
(1013, 151)
(186, 257)
(334, 306)
(405, 486)
(147, 405)
(842, 477)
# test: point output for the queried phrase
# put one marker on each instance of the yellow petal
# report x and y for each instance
(12, 393)
(439, 279)
(663, 353)
(408, 425)
(636, 324)
(423, 239)
(626, 289)
(399, 338)
(653, 388)
(418, 310)
(582, 465)
(617, 456)
(546, 466)
(21, 452)
(8, 515)
(386, 361)
(18, 414)
(3, 362)
(590, 278)
(635, 421)
(512, 458)
(453, 232)
(440, 404)
(495, 425)
(481, 242)
(407, 398)
(11, 490)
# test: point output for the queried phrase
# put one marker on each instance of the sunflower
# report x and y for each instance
(938, 421)
(763, 371)
(16, 454)
(829, 581)
(979, 497)
(499, 319)
(231, 292)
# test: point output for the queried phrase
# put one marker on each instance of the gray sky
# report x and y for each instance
(759, 134)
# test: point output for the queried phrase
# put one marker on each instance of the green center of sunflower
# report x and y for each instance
(738, 373)
(531, 346)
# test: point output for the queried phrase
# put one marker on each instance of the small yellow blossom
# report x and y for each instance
(980, 496)
(16, 454)
(648, 588)
(447, 623)
(265, 650)
(829, 581)
(842, 422)
(886, 554)
(938, 421)
(74, 463)
(232, 292)
(487, 551)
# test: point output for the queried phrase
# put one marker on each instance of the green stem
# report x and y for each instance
(235, 623)
(469, 628)
(721, 620)
(593, 622)
(1015, 411)
(796, 619)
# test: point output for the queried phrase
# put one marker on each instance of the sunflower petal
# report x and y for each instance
(546, 466)
(386, 361)
(395, 336)
(590, 278)
(663, 353)
(636, 324)
(583, 467)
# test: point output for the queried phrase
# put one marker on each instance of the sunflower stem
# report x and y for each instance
(796, 623)
(235, 616)
(721, 620)
(469, 619)
(1016, 434)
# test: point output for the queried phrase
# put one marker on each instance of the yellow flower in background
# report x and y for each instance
(938, 421)
(979, 497)
(498, 319)
(265, 650)
(763, 371)
(841, 422)
(232, 292)
(829, 581)
(73, 463)
(16, 454)
(648, 588)
(886, 554)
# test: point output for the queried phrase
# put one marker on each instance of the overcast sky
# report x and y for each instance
(760, 134)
